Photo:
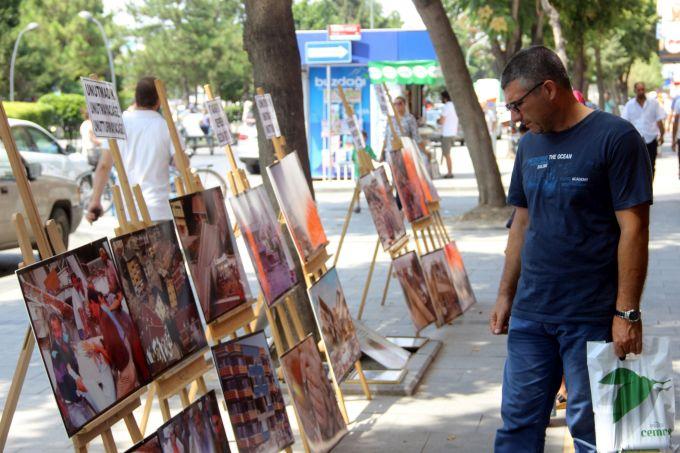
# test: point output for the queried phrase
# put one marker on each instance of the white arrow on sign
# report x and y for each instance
(327, 52)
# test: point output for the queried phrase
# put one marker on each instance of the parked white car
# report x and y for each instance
(247, 150)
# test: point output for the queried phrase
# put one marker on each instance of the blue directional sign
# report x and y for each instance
(328, 52)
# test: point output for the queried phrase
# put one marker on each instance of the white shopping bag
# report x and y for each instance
(633, 399)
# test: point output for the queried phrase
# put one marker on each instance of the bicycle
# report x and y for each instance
(209, 178)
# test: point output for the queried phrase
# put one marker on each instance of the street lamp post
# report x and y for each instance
(29, 27)
(89, 17)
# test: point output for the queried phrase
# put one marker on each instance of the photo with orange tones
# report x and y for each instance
(466, 297)
(412, 280)
(298, 206)
(210, 248)
(407, 182)
(426, 183)
(313, 396)
(388, 219)
(273, 263)
(440, 279)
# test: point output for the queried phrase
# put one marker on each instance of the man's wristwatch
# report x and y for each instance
(629, 315)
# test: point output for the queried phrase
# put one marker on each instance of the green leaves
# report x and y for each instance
(633, 390)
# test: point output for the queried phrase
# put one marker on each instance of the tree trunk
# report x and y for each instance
(599, 76)
(269, 39)
(554, 20)
(537, 29)
(580, 65)
(459, 85)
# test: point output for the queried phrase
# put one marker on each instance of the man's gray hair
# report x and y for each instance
(533, 65)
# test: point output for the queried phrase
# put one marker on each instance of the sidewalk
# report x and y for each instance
(456, 408)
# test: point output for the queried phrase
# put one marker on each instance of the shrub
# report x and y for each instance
(68, 110)
(38, 112)
(233, 112)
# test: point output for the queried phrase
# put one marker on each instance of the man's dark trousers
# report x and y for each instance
(651, 149)
(533, 373)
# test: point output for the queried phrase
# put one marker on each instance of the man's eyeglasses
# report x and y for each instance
(514, 106)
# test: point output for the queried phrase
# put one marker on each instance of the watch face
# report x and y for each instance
(634, 315)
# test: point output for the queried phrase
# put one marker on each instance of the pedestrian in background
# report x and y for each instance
(449, 123)
(357, 173)
(647, 116)
(576, 258)
(91, 145)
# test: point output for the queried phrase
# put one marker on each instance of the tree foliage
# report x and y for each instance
(318, 14)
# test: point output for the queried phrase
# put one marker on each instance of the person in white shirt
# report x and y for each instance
(449, 122)
(91, 145)
(647, 116)
(147, 155)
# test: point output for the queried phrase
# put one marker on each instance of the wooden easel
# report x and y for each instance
(101, 425)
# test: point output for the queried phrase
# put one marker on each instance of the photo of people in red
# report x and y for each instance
(440, 279)
(210, 248)
(388, 219)
(159, 295)
(412, 280)
(408, 185)
(87, 339)
(298, 206)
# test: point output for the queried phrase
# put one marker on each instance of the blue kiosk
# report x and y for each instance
(347, 63)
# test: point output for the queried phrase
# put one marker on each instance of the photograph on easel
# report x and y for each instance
(212, 254)
(159, 295)
(335, 323)
(408, 185)
(412, 280)
(388, 219)
(466, 297)
(198, 428)
(273, 263)
(251, 390)
(298, 206)
(440, 278)
(313, 396)
(422, 170)
(82, 324)
(149, 445)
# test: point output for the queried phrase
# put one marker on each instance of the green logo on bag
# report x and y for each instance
(633, 391)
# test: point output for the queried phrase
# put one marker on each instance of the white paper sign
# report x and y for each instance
(265, 107)
(103, 108)
(382, 100)
(353, 127)
(219, 122)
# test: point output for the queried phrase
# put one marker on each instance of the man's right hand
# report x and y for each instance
(500, 316)
(94, 211)
(674, 146)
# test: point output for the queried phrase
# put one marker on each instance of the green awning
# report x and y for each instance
(423, 72)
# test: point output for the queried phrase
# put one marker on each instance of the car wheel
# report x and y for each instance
(61, 218)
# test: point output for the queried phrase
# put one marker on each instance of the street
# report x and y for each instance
(456, 407)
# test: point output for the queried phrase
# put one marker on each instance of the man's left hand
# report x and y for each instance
(661, 140)
(627, 337)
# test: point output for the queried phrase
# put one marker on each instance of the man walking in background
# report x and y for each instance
(449, 122)
(647, 116)
(576, 258)
(147, 155)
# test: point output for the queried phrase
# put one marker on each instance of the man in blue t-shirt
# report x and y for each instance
(576, 259)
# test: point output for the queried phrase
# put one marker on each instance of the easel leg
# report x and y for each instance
(429, 233)
(415, 238)
(355, 198)
(283, 317)
(368, 279)
(438, 216)
(133, 428)
(362, 379)
(184, 397)
(341, 400)
(275, 331)
(165, 408)
(15, 387)
(297, 323)
(147, 408)
(387, 285)
(109, 443)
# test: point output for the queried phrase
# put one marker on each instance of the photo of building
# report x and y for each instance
(408, 185)
(440, 280)
(388, 219)
(251, 390)
(412, 280)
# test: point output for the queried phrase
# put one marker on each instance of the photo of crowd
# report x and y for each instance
(197, 429)
(88, 342)
(440, 279)
(262, 233)
(313, 396)
(298, 206)
(210, 248)
(157, 288)
(405, 177)
(466, 297)
(335, 323)
(388, 219)
(380, 349)
(412, 280)
(251, 390)
(426, 183)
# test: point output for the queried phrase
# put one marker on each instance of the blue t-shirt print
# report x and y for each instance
(572, 183)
